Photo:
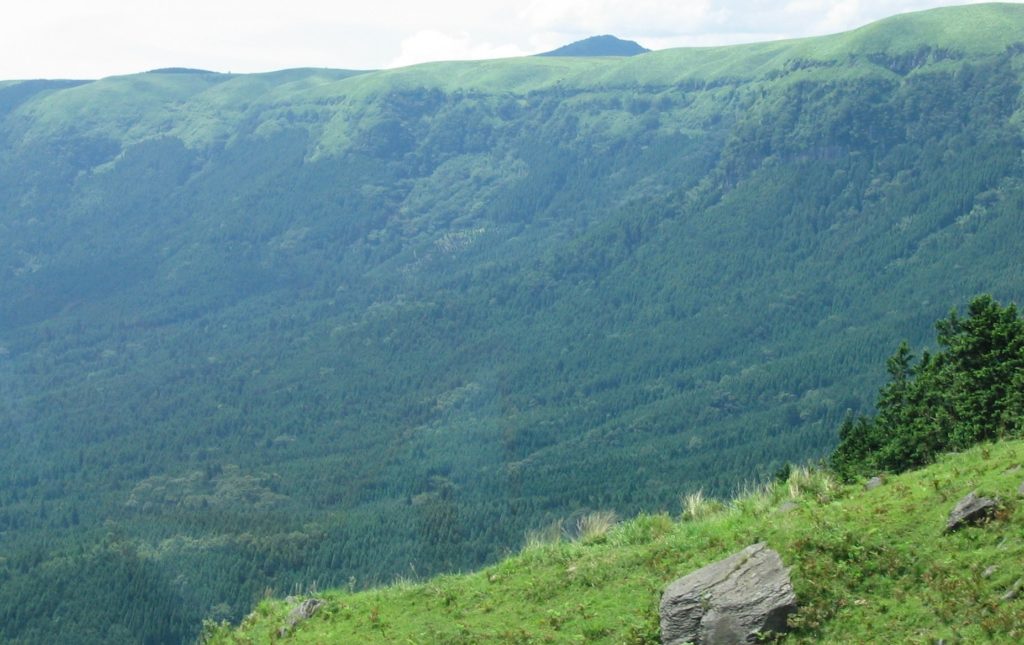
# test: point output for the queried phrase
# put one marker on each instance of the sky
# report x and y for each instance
(97, 38)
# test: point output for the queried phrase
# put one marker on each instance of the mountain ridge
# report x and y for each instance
(974, 28)
(921, 36)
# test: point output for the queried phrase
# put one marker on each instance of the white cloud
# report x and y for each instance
(841, 14)
(91, 38)
(621, 16)
(432, 45)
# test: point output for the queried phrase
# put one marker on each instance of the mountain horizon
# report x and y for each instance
(929, 24)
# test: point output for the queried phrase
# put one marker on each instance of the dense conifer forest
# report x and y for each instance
(868, 560)
(319, 327)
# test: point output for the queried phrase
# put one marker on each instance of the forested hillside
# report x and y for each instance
(884, 560)
(319, 326)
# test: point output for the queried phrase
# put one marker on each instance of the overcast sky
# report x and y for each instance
(95, 38)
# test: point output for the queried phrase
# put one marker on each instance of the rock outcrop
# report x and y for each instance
(735, 600)
(970, 510)
(303, 611)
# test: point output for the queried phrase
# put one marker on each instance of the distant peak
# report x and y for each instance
(180, 70)
(606, 45)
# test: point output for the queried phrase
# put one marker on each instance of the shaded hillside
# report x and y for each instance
(260, 330)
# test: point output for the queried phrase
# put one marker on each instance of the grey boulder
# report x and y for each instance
(970, 510)
(736, 600)
(873, 483)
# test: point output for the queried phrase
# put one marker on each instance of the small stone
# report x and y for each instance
(1014, 590)
(874, 483)
(970, 510)
(786, 507)
(1020, 489)
(987, 573)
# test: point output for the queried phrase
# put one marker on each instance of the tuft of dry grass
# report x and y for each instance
(550, 534)
(757, 499)
(804, 480)
(697, 506)
(594, 526)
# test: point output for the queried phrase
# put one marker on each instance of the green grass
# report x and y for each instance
(867, 566)
(973, 29)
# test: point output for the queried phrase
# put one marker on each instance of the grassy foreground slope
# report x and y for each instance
(867, 566)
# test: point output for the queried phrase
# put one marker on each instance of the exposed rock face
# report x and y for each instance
(873, 483)
(729, 601)
(970, 510)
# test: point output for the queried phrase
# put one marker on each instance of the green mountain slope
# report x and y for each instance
(321, 325)
(867, 567)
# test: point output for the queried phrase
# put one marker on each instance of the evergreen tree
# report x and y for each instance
(984, 354)
(972, 391)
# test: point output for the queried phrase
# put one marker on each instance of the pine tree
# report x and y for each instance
(984, 352)
(972, 391)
